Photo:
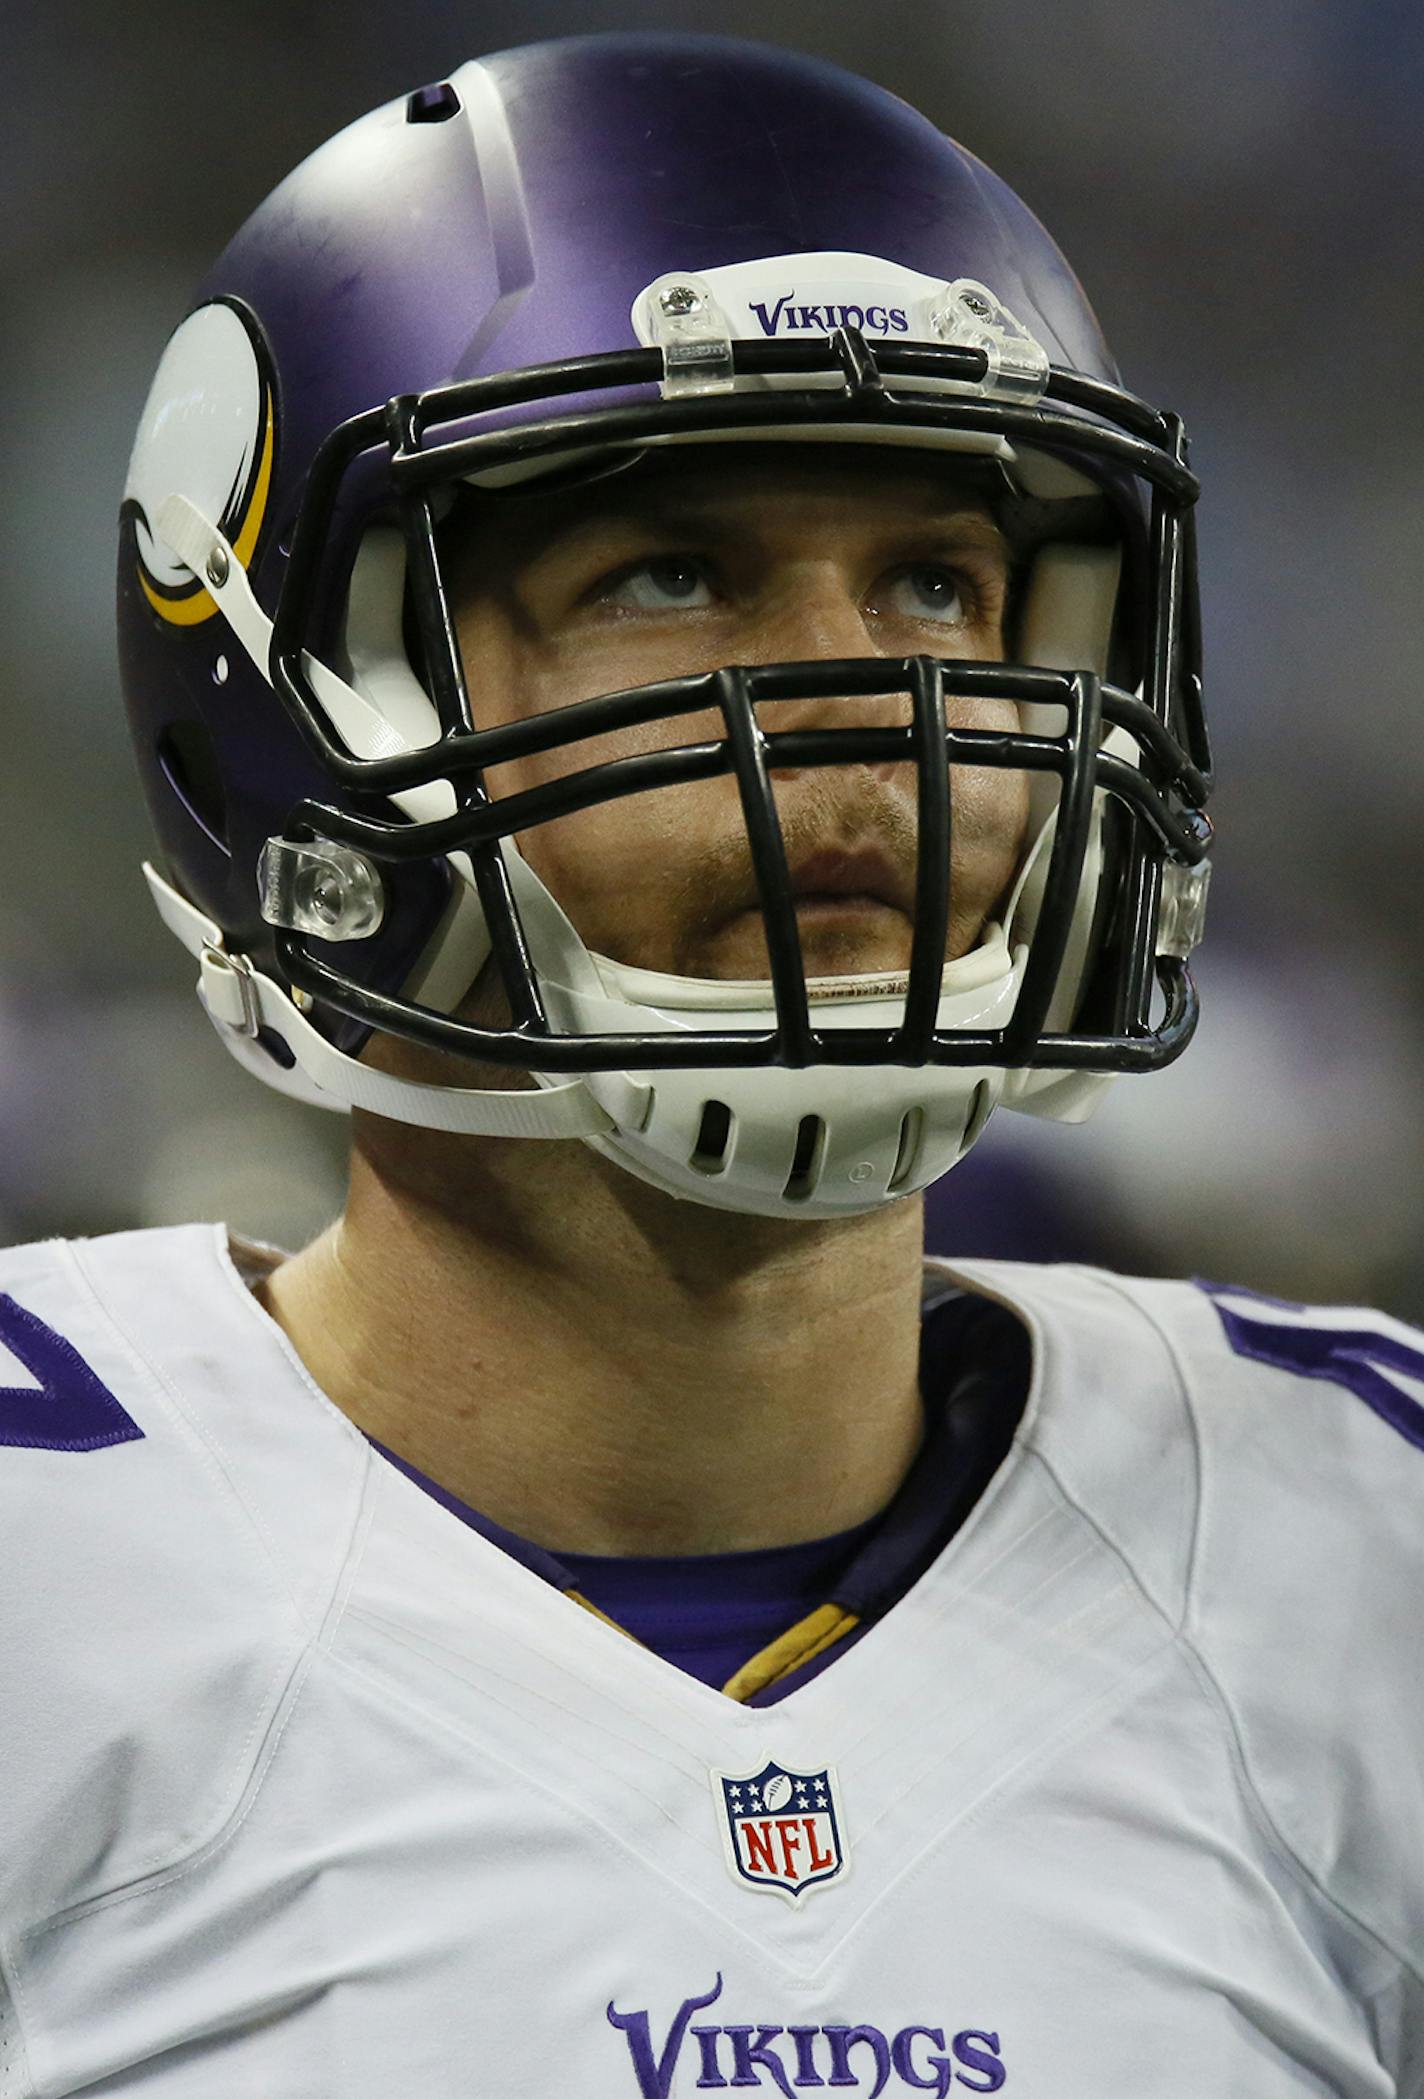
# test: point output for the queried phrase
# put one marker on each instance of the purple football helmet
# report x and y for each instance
(569, 255)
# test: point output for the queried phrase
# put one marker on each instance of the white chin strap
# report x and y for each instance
(244, 1005)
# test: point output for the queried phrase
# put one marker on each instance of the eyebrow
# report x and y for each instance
(680, 516)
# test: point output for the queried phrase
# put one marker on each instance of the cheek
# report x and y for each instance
(995, 798)
(991, 816)
(626, 872)
(615, 868)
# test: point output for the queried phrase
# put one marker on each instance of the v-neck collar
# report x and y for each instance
(578, 1637)
(973, 1397)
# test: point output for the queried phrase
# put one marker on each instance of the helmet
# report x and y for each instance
(571, 254)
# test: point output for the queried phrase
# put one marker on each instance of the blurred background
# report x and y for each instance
(1240, 189)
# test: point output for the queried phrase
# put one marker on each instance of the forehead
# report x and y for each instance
(741, 485)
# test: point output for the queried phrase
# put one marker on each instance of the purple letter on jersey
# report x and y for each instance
(72, 1410)
(878, 2055)
(1354, 1357)
(654, 2072)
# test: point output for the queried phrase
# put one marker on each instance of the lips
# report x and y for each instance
(866, 872)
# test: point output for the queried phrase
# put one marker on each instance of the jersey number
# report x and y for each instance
(1357, 1357)
(69, 1408)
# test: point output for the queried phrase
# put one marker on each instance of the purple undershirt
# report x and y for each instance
(708, 1613)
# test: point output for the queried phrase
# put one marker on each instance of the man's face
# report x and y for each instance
(741, 554)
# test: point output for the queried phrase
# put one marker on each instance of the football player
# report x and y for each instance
(664, 663)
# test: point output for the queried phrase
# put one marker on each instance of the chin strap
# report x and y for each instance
(242, 1004)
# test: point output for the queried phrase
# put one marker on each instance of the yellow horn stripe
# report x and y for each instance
(246, 539)
(194, 607)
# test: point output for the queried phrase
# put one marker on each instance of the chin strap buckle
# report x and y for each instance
(227, 990)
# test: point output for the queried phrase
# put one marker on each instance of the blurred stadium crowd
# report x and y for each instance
(1241, 190)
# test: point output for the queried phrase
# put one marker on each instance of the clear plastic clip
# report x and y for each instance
(967, 316)
(689, 327)
(319, 887)
(1181, 917)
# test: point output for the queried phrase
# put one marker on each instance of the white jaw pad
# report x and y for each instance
(754, 997)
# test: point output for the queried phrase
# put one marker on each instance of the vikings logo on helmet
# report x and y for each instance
(209, 428)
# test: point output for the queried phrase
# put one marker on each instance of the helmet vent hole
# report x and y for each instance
(432, 105)
(907, 1158)
(809, 1158)
(980, 1104)
(714, 1138)
(189, 764)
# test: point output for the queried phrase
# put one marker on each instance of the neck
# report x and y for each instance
(600, 1368)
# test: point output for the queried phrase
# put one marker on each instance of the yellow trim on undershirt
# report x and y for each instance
(799, 1644)
(583, 1603)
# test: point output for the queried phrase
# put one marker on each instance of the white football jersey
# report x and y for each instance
(307, 1791)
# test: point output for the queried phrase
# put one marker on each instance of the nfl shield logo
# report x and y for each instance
(781, 1829)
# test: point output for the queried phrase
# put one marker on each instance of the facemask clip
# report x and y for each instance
(967, 316)
(689, 327)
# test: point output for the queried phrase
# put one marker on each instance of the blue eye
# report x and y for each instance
(927, 592)
(666, 585)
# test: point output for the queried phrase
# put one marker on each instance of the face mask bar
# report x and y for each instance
(1160, 797)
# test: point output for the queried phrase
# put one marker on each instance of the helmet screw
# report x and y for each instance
(680, 298)
(977, 306)
(328, 896)
(217, 567)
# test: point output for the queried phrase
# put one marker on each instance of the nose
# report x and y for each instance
(819, 619)
(808, 608)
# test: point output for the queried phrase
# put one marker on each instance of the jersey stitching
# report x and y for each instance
(1281, 1842)
(448, 1659)
(1255, 1803)
(152, 1864)
(274, 1337)
(580, 1811)
(213, 1453)
(10, 1997)
(798, 1977)
(434, 1654)
(353, 1555)
(366, 1475)
(1111, 1283)
(1415, 2089)
(1101, 1708)
(670, 1746)
(194, 1861)
(1085, 1620)
(216, 1456)
(153, 1377)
